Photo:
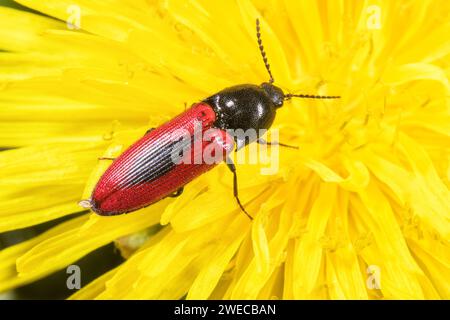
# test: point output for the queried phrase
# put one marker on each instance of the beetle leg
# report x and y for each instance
(262, 141)
(177, 193)
(232, 167)
(240, 143)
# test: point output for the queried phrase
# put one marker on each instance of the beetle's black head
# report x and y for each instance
(246, 106)
(275, 94)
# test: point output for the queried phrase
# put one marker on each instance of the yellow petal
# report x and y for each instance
(308, 249)
(8, 274)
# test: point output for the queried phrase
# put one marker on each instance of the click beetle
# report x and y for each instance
(146, 172)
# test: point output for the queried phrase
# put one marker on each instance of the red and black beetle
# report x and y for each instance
(146, 173)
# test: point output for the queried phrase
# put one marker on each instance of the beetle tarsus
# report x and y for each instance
(232, 168)
(177, 193)
(262, 141)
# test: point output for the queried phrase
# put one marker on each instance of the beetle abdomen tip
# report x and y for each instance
(86, 203)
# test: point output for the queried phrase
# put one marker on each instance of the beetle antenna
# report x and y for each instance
(308, 96)
(263, 53)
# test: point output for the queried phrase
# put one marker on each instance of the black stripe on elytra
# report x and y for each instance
(156, 162)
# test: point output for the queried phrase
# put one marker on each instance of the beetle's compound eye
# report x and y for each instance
(275, 94)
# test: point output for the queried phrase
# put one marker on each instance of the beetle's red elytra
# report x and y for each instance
(148, 171)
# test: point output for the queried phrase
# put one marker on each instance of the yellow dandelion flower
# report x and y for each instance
(360, 211)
